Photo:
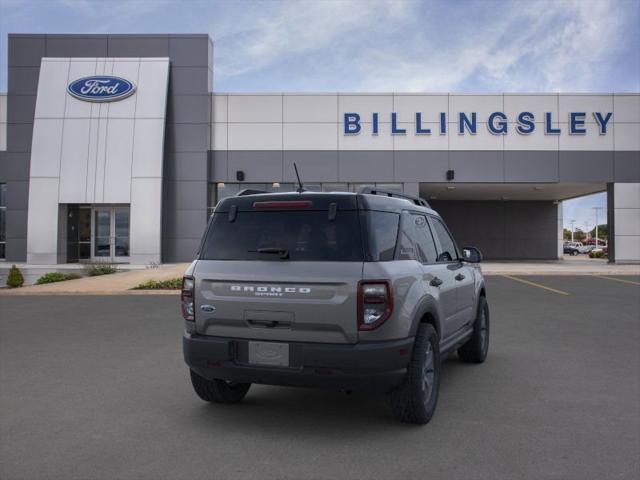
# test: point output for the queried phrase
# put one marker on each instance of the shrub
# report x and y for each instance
(100, 269)
(170, 284)
(15, 278)
(52, 277)
(597, 254)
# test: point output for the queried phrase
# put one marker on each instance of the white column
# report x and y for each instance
(626, 222)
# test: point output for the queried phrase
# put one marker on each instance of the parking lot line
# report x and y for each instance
(618, 279)
(534, 284)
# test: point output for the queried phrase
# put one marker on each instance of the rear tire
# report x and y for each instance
(218, 391)
(415, 400)
(476, 348)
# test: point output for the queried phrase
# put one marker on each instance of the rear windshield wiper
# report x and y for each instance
(283, 252)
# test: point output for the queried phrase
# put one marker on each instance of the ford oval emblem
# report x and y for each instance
(101, 88)
(207, 308)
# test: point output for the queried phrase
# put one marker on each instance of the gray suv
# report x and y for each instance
(352, 291)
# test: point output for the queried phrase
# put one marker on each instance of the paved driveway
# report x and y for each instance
(95, 387)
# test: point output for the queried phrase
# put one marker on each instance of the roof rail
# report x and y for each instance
(390, 193)
(249, 191)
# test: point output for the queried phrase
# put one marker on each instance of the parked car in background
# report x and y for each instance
(574, 248)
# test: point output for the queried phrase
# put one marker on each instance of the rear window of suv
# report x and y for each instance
(291, 235)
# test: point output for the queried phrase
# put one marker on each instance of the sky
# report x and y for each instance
(377, 45)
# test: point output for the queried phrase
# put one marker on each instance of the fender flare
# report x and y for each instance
(426, 306)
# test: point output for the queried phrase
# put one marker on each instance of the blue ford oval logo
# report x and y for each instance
(101, 88)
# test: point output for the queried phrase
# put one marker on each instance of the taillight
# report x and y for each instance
(375, 303)
(187, 298)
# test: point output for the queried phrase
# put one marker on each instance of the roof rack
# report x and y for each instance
(390, 193)
(249, 191)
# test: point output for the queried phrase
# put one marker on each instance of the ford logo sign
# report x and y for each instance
(101, 88)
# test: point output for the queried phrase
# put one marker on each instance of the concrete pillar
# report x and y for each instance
(623, 206)
(560, 236)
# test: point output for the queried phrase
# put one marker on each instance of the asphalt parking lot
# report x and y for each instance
(95, 388)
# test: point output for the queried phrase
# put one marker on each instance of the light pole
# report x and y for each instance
(596, 210)
(572, 222)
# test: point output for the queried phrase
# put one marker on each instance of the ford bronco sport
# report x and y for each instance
(353, 291)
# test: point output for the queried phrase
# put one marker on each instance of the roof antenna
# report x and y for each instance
(300, 187)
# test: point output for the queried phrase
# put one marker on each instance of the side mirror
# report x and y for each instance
(471, 255)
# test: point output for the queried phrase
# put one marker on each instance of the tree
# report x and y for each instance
(566, 234)
(579, 235)
(603, 231)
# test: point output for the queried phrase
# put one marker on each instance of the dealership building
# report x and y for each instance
(117, 148)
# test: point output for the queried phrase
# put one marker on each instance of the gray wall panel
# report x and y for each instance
(76, 46)
(16, 223)
(503, 230)
(187, 137)
(314, 166)
(180, 249)
(188, 80)
(365, 166)
(138, 46)
(626, 166)
(185, 166)
(258, 165)
(17, 195)
(26, 50)
(218, 166)
(23, 80)
(185, 195)
(185, 223)
(529, 166)
(430, 166)
(19, 137)
(477, 166)
(15, 167)
(22, 108)
(16, 250)
(188, 109)
(189, 51)
(586, 166)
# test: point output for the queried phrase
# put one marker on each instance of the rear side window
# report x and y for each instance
(383, 234)
(416, 242)
(284, 236)
(448, 251)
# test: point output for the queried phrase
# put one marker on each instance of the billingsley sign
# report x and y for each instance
(101, 88)
(497, 123)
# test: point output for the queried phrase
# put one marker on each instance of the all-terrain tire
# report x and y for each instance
(476, 348)
(415, 400)
(218, 391)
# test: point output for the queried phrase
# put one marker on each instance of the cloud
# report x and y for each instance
(376, 45)
(273, 34)
(407, 46)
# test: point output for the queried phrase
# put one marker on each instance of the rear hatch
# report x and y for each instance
(281, 267)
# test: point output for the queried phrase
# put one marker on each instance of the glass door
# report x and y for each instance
(111, 234)
(120, 231)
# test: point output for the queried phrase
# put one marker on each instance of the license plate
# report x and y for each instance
(269, 353)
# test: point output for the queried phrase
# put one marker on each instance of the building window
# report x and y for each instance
(219, 191)
(3, 220)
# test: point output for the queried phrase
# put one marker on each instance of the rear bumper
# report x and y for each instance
(375, 367)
